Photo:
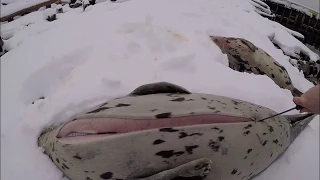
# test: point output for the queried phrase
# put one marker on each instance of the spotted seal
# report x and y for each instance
(244, 56)
(162, 131)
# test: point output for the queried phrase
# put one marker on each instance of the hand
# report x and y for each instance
(310, 100)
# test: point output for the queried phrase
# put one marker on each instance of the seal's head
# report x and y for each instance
(163, 131)
(233, 45)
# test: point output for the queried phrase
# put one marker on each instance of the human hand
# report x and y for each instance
(310, 100)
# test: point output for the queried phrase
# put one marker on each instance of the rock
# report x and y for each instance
(1, 46)
(85, 4)
(2, 49)
(52, 18)
(59, 9)
(76, 4)
(50, 15)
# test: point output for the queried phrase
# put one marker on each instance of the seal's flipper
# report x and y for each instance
(196, 170)
(157, 88)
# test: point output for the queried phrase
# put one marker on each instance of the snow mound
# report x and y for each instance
(292, 46)
(56, 69)
(262, 8)
(293, 33)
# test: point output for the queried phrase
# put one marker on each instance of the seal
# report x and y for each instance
(244, 56)
(162, 131)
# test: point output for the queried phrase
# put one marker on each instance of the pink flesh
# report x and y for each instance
(103, 125)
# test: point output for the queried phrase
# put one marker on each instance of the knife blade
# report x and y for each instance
(297, 108)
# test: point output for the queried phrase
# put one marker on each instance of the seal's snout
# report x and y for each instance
(217, 40)
(299, 123)
(220, 42)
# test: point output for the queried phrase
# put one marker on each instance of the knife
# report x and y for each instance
(297, 108)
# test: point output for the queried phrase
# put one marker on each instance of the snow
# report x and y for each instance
(292, 46)
(260, 2)
(48, 13)
(294, 33)
(85, 58)
(264, 13)
(261, 6)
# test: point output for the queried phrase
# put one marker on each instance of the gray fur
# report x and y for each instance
(246, 57)
(228, 151)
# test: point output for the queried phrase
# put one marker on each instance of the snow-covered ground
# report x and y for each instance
(84, 58)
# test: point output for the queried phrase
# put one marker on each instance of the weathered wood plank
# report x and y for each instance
(29, 9)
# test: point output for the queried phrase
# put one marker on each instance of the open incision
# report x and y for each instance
(86, 129)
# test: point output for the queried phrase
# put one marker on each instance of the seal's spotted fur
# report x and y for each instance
(246, 57)
(226, 151)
